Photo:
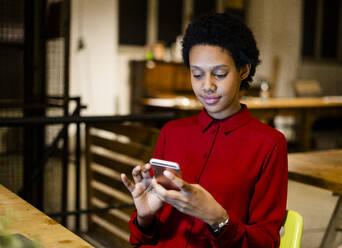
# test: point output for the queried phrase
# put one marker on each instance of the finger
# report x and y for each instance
(146, 171)
(158, 190)
(169, 196)
(129, 185)
(136, 173)
(179, 182)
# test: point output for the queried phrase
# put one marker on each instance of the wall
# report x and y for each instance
(94, 68)
(124, 55)
(277, 29)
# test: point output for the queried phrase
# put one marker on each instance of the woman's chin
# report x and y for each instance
(212, 111)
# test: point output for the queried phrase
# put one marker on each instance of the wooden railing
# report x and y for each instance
(113, 149)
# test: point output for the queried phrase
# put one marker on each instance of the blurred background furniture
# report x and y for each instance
(113, 149)
(152, 78)
(322, 169)
(325, 129)
(305, 110)
(307, 88)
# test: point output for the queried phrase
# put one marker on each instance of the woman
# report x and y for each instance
(234, 168)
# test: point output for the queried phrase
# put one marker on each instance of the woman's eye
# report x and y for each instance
(221, 76)
(197, 76)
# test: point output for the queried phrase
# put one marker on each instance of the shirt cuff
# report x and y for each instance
(137, 236)
(227, 234)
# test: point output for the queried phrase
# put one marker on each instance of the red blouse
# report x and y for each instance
(242, 163)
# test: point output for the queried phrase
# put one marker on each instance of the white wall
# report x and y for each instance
(124, 55)
(277, 28)
(94, 69)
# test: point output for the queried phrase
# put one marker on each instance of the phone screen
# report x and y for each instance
(158, 167)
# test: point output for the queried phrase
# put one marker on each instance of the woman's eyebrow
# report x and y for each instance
(195, 67)
(220, 67)
(215, 67)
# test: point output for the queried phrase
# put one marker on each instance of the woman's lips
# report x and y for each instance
(210, 100)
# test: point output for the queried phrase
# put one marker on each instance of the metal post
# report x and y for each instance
(78, 167)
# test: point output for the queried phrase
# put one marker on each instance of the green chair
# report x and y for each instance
(291, 231)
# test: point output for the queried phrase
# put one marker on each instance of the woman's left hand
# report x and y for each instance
(192, 199)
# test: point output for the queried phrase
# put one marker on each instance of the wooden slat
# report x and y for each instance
(111, 182)
(126, 198)
(111, 228)
(114, 216)
(108, 236)
(107, 158)
(140, 134)
(112, 164)
(106, 171)
(134, 150)
(115, 220)
(110, 200)
(88, 171)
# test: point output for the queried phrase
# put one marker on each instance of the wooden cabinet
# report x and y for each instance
(156, 78)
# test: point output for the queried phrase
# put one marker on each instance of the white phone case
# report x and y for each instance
(164, 163)
(158, 167)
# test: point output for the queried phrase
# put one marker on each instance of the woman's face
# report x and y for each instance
(215, 80)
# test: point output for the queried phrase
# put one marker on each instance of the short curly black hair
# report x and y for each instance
(227, 32)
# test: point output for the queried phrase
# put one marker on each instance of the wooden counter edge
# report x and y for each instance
(81, 243)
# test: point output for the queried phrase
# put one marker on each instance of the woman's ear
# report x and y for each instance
(244, 71)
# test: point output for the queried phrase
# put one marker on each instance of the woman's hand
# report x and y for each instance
(192, 199)
(146, 201)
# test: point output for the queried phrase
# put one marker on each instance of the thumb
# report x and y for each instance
(179, 182)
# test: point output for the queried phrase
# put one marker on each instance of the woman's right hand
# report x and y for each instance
(146, 201)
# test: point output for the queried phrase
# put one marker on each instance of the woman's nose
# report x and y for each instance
(209, 84)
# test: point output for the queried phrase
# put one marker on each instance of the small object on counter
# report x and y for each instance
(264, 90)
(159, 51)
(18, 241)
(148, 53)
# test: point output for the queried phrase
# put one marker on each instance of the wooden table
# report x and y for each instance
(32, 223)
(305, 110)
(322, 169)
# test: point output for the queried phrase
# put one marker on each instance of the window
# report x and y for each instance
(331, 9)
(132, 22)
(149, 21)
(236, 8)
(322, 28)
(203, 7)
(169, 20)
(12, 16)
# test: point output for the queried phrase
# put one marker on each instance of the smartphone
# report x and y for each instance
(158, 167)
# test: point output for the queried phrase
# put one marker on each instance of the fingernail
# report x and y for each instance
(167, 173)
